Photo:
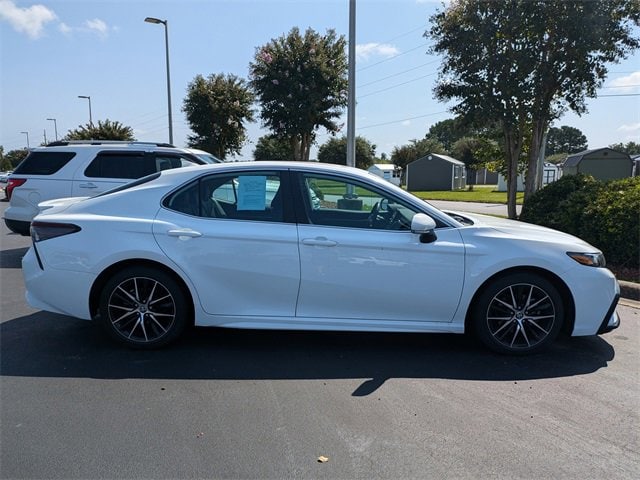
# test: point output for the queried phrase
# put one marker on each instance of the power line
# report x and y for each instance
(392, 57)
(402, 120)
(396, 85)
(397, 74)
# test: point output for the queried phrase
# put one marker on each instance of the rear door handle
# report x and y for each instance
(319, 242)
(88, 185)
(184, 233)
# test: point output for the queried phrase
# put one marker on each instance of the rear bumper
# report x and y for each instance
(18, 226)
(611, 320)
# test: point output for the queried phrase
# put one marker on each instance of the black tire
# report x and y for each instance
(518, 314)
(143, 307)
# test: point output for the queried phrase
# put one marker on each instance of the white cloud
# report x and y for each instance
(625, 84)
(634, 127)
(29, 20)
(64, 28)
(406, 123)
(366, 50)
(97, 26)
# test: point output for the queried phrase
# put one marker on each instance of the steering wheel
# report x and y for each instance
(373, 216)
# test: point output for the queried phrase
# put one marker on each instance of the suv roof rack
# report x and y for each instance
(64, 143)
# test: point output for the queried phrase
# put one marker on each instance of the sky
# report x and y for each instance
(53, 51)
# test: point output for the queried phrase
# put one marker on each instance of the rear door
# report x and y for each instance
(109, 169)
(234, 236)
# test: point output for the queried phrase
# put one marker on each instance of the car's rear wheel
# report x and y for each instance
(519, 313)
(143, 307)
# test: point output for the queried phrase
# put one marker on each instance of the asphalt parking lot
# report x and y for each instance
(248, 404)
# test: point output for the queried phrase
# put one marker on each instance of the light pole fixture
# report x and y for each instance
(166, 44)
(88, 98)
(55, 126)
(27, 134)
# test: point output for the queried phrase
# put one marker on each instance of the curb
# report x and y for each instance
(629, 290)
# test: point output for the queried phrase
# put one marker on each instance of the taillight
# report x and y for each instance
(45, 230)
(11, 184)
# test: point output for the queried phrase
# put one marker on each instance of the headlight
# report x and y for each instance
(589, 259)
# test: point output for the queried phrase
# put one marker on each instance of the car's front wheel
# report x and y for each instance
(519, 313)
(143, 307)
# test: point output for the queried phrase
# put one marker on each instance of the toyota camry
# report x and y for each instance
(305, 246)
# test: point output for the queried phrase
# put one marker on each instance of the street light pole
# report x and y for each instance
(27, 134)
(351, 101)
(88, 98)
(55, 126)
(166, 45)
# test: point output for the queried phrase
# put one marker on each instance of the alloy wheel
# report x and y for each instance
(141, 309)
(521, 316)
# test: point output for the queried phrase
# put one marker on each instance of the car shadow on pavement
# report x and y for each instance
(12, 258)
(50, 345)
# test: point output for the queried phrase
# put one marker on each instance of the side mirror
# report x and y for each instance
(424, 225)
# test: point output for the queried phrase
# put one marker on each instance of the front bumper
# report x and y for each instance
(611, 320)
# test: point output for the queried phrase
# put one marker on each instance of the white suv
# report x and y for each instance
(84, 169)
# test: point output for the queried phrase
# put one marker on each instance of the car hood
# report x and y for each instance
(524, 231)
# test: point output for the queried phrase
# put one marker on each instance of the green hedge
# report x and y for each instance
(605, 214)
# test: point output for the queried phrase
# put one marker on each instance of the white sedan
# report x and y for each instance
(303, 246)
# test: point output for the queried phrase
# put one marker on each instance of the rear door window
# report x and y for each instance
(126, 165)
(43, 163)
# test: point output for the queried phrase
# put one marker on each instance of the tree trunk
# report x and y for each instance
(295, 148)
(513, 147)
(533, 162)
(305, 147)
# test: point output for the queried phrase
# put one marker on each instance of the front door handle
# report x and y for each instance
(184, 233)
(88, 185)
(319, 242)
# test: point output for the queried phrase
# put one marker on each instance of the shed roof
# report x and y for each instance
(446, 158)
(384, 166)
(573, 160)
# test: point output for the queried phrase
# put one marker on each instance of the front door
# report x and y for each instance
(360, 261)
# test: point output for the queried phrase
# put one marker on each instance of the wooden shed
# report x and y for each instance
(601, 163)
(436, 172)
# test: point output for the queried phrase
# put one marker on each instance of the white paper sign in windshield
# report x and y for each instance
(252, 192)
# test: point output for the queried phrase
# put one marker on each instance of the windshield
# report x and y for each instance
(208, 158)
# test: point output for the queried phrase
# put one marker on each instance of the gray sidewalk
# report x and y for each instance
(473, 207)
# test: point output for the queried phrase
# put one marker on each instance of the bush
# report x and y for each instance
(603, 214)
(612, 222)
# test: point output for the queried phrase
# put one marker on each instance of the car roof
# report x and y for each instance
(272, 165)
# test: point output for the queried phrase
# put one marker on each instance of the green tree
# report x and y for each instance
(301, 84)
(565, 140)
(448, 132)
(270, 147)
(217, 108)
(14, 157)
(104, 130)
(630, 148)
(465, 150)
(335, 151)
(5, 164)
(556, 158)
(539, 59)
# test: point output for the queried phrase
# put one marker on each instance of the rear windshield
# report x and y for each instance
(43, 163)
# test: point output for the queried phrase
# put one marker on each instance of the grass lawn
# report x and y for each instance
(480, 194)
